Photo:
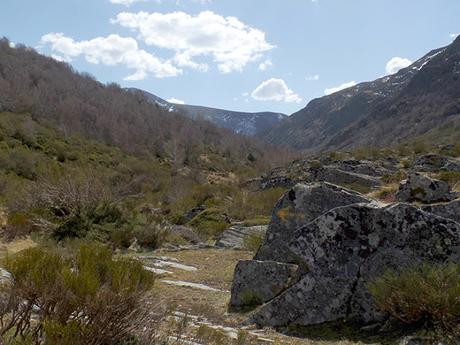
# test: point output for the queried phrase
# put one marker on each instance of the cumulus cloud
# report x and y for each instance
(312, 77)
(125, 2)
(263, 66)
(111, 51)
(275, 90)
(397, 63)
(175, 101)
(341, 87)
(230, 43)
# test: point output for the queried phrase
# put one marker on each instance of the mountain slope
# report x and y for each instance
(249, 124)
(420, 99)
(54, 93)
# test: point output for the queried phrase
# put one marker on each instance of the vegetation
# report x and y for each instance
(88, 297)
(426, 296)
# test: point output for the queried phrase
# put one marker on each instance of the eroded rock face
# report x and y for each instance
(424, 189)
(433, 162)
(302, 204)
(236, 236)
(256, 282)
(449, 210)
(345, 249)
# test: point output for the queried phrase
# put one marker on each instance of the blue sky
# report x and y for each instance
(250, 55)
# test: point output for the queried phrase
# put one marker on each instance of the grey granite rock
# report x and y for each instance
(433, 162)
(348, 247)
(424, 189)
(337, 176)
(256, 282)
(302, 204)
(449, 210)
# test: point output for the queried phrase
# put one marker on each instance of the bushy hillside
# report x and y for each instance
(76, 103)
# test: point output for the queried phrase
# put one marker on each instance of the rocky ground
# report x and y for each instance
(194, 285)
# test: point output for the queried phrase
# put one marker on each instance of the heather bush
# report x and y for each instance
(88, 297)
(427, 296)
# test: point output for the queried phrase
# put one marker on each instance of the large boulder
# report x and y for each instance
(236, 236)
(256, 282)
(302, 204)
(424, 189)
(433, 162)
(350, 246)
(449, 210)
(338, 176)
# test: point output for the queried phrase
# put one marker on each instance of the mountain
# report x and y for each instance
(249, 124)
(421, 99)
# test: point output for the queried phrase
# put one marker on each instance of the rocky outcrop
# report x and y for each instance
(424, 189)
(433, 162)
(338, 176)
(346, 248)
(302, 204)
(449, 210)
(341, 172)
(363, 167)
(236, 236)
(256, 282)
(185, 233)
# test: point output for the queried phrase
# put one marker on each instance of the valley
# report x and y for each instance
(126, 219)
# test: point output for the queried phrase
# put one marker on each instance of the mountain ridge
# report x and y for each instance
(379, 113)
(245, 123)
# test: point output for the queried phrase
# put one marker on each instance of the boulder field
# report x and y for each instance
(325, 244)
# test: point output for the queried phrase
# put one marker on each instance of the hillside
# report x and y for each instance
(249, 124)
(421, 99)
(53, 92)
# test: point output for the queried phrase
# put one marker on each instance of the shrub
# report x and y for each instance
(18, 225)
(210, 222)
(87, 298)
(395, 177)
(151, 235)
(427, 296)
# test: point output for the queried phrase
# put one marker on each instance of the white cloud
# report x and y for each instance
(59, 58)
(312, 77)
(230, 43)
(341, 87)
(454, 36)
(125, 2)
(111, 51)
(263, 66)
(175, 101)
(397, 63)
(275, 90)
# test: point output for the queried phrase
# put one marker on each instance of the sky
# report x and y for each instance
(246, 55)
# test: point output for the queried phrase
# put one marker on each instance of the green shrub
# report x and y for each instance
(210, 222)
(86, 298)
(395, 177)
(426, 295)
